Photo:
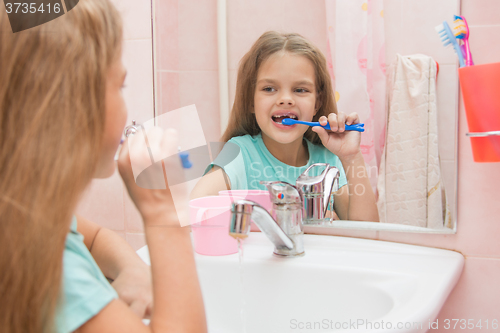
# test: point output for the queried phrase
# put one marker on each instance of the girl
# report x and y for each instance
(61, 119)
(285, 76)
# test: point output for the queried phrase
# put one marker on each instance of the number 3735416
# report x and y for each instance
(470, 324)
(31, 7)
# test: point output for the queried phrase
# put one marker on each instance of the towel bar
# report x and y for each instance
(483, 134)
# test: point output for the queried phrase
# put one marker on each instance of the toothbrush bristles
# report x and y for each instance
(443, 35)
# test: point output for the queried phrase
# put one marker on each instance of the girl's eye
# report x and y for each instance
(268, 89)
(301, 90)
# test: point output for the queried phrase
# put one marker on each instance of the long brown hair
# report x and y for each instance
(242, 119)
(52, 114)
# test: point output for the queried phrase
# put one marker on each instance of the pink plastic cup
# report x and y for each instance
(259, 196)
(210, 218)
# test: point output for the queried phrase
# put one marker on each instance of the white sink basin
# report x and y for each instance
(341, 284)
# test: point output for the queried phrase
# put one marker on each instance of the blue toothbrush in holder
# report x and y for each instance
(447, 38)
(290, 121)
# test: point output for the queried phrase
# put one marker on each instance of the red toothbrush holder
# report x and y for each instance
(480, 87)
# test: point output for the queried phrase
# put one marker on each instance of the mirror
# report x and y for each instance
(198, 45)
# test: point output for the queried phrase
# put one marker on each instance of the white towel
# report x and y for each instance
(409, 185)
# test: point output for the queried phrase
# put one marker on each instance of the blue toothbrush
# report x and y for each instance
(290, 121)
(447, 38)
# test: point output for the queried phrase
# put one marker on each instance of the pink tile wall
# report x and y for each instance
(187, 64)
(248, 20)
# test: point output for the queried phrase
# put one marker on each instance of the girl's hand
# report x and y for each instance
(153, 197)
(344, 144)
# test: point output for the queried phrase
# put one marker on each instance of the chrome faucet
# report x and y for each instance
(316, 192)
(283, 228)
(307, 203)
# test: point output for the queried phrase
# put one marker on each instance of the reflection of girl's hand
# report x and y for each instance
(344, 144)
(153, 204)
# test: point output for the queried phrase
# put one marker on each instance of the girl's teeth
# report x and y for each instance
(278, 119)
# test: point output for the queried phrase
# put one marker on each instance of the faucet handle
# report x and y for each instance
(282, 192)
(306, 172)
(308, 183)
(316, 191)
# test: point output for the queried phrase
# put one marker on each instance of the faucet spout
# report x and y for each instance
(245, 211)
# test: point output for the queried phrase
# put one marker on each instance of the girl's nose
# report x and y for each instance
(285, 100)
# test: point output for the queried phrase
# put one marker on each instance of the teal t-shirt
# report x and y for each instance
(246, 160)
(86, 291)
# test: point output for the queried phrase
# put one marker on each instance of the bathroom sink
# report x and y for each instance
(340, 284)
